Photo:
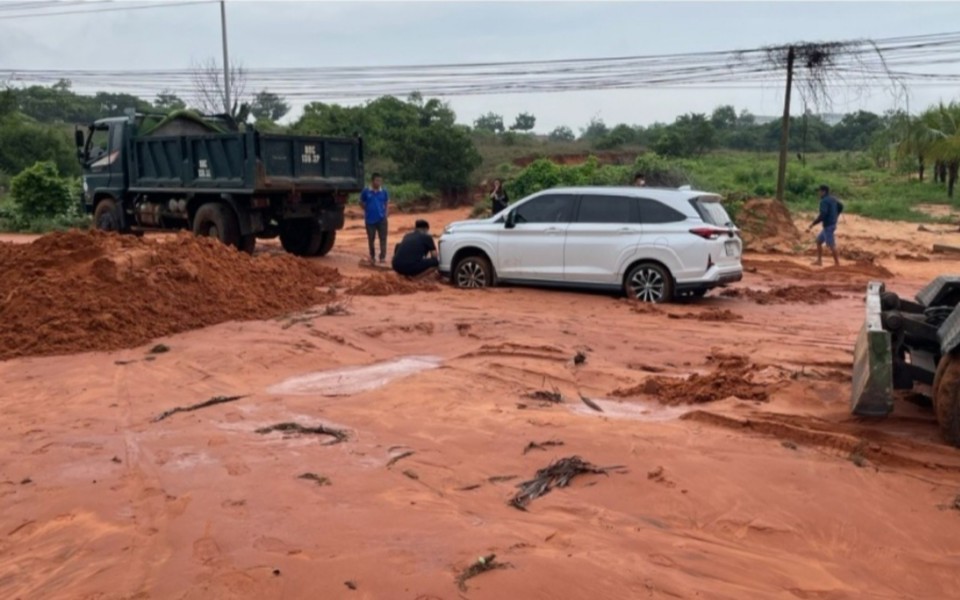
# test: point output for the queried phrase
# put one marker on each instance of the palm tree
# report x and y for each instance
(945, 147)
(916, 139)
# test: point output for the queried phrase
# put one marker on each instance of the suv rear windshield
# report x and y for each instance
(711, 211)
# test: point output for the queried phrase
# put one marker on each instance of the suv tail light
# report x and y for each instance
(708, 233)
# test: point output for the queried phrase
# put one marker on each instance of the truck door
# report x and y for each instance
(103, 153)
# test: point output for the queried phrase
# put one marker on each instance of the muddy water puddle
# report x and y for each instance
(354, 380)
(652, 412)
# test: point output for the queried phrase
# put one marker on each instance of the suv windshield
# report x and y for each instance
(711, 211)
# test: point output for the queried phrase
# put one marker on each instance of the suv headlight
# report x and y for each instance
(448, 230)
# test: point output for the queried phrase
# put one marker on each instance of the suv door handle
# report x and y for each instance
(627, 230)
(551, 230)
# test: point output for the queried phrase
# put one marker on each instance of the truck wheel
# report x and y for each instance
(218, 221)
(649, 282)
(946, 398)
(301, 237)
(106, 217)
(328, 239)
(247, 243)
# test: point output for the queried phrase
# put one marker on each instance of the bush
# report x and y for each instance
(407, 196)
(40, 192)
(659, 171)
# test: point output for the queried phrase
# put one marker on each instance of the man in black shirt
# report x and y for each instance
(416, 253)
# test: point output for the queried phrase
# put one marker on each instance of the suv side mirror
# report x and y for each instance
(511, 221)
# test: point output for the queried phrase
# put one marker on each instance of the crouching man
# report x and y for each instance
(416, 254)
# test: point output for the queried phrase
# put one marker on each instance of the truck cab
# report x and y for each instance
(102, 156)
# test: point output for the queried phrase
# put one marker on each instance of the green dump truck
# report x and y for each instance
(186, 171)
(910, 344)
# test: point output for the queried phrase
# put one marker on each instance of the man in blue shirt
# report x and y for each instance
(830, 210)
(374, 200)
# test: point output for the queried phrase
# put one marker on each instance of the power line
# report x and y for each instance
(44, 13)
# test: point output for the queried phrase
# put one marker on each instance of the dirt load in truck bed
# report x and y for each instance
(86, 290)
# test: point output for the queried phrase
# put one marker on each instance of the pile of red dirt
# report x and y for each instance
(789, 294)
(389, 284)
(711, 314)
(88, 290)
(767, 226)
(731, 376)
(848, 273)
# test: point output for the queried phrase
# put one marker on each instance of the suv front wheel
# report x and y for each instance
(473, 272)
(649, 282)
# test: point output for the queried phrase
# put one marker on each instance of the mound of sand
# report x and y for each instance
(767, 226)
(88, 290)
(389, 284)
(789, 294)
(732, 376)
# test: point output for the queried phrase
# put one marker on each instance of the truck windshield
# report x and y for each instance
(711, 211)
(98, 142)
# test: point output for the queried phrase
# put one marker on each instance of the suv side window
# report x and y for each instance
(551, 208)
(608, 209)
(652, 211)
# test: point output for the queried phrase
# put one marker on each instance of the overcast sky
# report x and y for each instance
(275, 33)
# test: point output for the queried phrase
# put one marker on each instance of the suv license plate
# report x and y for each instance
(731, 248)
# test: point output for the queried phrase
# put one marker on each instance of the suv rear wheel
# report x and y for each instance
(649, 282)
(473, 272)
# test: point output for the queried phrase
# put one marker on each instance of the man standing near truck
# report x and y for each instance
(374, 201)
(830, 209)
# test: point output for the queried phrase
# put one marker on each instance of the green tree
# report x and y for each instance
(945, 130)
(595, 130)
(167, 101)
(491, 122)
(524, 122)
(724, 118)
(619, 136)
(39, 191)
(670, 144)
(562, 134)
(440, 156)
(855, 131)
(916, 138)
(267, 106)
(22, 143)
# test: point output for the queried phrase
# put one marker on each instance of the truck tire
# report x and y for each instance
(301, 237)
(107, 217)
(218, 221)
(946, 398)
(326, 244)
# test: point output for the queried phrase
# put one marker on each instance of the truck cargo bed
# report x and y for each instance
(247, 162)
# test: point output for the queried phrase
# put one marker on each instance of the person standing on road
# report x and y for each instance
(498, 197)
(830, 209)
(374, 201)
(416, 254)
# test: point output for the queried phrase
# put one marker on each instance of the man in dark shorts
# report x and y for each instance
(416, 254)
(830, 209)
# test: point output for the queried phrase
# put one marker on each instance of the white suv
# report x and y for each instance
(652, 243)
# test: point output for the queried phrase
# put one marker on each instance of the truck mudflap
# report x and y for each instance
(949, 332)
(872, 391)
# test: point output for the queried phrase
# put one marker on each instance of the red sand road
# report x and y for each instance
(785, 498)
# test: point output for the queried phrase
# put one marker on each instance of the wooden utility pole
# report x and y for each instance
(785, 128)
